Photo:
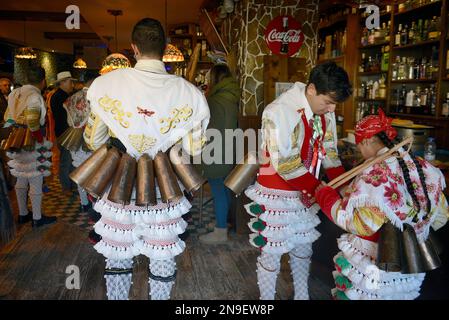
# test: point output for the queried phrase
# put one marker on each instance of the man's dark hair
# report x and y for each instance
(149, 37)
(330, 79)
(35, 75)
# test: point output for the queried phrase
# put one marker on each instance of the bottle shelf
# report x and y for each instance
(331, 23)
(418, 8)
(414, 81)
(371, 100)
(415, 116)
(371, 73)
(374, 45)
(419, 44)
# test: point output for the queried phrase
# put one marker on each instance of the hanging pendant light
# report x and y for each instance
(171, 53)
(80, 64)
(114, 61)
(25, 52)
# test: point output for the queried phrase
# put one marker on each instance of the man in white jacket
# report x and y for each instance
(144, 110)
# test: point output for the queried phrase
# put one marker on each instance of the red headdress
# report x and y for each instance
(371, 125)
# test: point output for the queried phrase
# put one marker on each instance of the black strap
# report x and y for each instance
(118, 144)
(115, 271)
(163, 279)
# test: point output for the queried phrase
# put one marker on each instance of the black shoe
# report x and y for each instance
(185, 235)
(25, 219)
(85, 208)
(43, 221)
(94, 216)
(94, 237)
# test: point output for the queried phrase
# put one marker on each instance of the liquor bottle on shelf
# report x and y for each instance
(404, 36)
(409, 68)
(411, 33)
(382, 88)
(385, 58)
(423, 69)
(445, 107)
(417, 98)
(362, 65)
(401, 69)
(387, 32)
(364, 40)
(410, 97)
(394, 68)
(425, 31)
(433, 100)
(423, 104)
(403, 95)
(419, 29)
(397, 37)
(396, 100)
(433, 32)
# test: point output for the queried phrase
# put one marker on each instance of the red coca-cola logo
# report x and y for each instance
(284, 35)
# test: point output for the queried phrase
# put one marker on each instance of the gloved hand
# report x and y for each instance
(326, 197)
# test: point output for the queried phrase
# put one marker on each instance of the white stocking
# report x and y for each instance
(162, 278)
(36, 196)
(22, 195)
(118, 276)
(83, 196)
(268, 267)
(300, 265)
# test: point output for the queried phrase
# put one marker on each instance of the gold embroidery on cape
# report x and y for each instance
(115, 108)
(178, 114)
(141, 142)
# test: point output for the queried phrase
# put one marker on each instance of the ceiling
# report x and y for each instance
(98, 22)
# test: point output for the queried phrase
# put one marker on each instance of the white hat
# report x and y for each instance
(64, 76)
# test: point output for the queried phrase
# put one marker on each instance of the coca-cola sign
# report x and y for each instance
(284, 35)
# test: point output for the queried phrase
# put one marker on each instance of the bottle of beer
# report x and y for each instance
(284, 44)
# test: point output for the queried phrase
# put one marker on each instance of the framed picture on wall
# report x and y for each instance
(281, 87)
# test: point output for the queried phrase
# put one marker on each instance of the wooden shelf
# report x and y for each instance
(330, 59)
(181, 36)
(415, 116)
(414, 81)
(371, 100)
(418, 8)
(331, 23)
(374, 45)
(419, 44)
(371, 73)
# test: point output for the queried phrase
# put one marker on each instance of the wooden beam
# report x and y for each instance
(35, 16)
(71, 35)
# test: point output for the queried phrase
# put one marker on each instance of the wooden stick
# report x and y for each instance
(215, 30)
(342, 179)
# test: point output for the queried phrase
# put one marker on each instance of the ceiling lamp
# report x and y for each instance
(25, 52)
(171, 53)
(114, 61)
(80, 64)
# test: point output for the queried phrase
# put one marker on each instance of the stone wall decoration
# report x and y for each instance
(244, 30)
(52, 62)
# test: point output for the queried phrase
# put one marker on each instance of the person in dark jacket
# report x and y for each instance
(65, 85)
(223, 99)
